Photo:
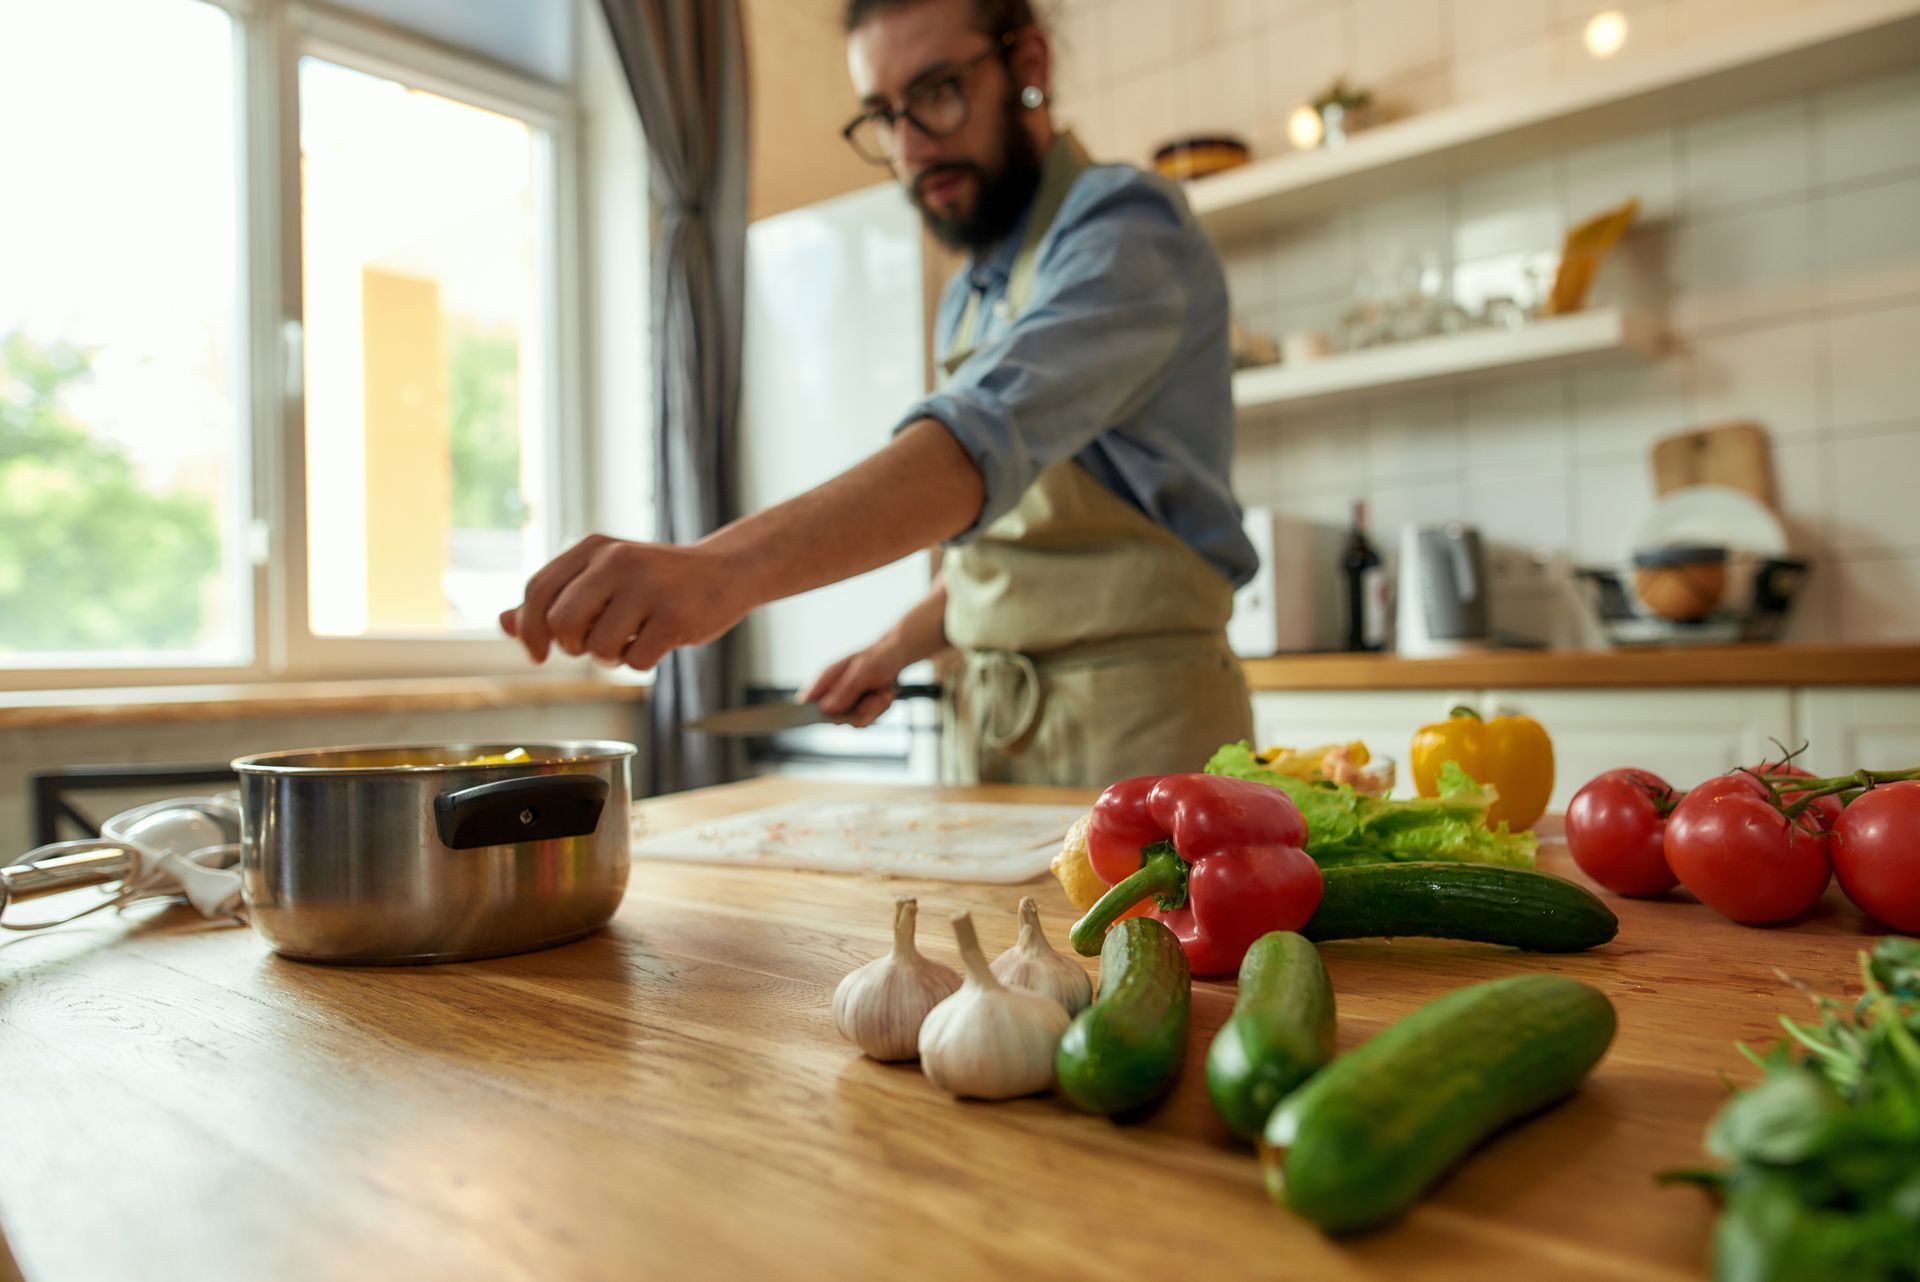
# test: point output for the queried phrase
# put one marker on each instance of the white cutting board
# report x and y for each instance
(945, 841)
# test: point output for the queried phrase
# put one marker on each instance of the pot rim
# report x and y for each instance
(568, 752)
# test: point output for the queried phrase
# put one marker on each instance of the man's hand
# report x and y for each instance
(627, 602)
(858, 687)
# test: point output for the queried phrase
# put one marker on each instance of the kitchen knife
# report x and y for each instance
(768, 718)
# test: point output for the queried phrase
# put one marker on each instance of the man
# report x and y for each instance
(1075, 459)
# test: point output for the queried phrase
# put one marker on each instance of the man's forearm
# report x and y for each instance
(922, 488)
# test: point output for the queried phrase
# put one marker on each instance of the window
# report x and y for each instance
(294, 350)
(426, 290)
(124, 460)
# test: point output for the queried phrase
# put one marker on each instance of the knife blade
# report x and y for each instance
(770, 718)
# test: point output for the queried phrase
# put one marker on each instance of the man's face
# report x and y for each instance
(972, 185)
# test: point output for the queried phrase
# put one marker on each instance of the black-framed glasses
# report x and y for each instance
(937, 107)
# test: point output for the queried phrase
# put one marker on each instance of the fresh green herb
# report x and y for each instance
(1823, 1174)
(1349, 827)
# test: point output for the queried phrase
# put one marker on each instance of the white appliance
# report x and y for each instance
(1281, 610)
(833, 355)
(1443, 593)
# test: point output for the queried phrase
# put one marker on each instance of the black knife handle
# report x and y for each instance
(917, 692)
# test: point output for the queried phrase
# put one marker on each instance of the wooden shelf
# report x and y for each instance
(1450, 358)
(1737, 665)
(37, 709)
(1755, 61)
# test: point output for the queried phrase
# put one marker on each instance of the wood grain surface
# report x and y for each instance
(1639, 667)
(669, 1099)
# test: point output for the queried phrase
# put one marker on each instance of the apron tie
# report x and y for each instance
(1002, 679)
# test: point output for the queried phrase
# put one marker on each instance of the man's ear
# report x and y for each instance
(1031, 60)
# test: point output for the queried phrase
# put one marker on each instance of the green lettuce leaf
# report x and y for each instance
(1349, 827)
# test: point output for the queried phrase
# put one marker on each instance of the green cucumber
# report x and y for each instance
(1125, 1049)
(1535, 911)
(1279, 1034)
(1371, 1132)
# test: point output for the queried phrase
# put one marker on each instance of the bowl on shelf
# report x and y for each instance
(1755, 607)
(1186, 158)
(1683, 583)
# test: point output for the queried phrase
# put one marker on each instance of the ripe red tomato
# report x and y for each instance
(1825, 811)
(1876, 854)
(1617, 831)
(1742, 857)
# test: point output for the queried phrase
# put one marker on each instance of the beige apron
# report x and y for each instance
(1093, 638)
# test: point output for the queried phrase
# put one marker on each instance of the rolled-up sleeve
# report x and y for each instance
(1097, 338)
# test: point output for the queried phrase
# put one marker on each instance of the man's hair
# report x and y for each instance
(992, 17)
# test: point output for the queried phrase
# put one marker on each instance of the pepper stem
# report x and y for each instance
(1163, 874)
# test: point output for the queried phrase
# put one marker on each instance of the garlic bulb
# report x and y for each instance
(879, 1006)
(987, 1040)
(1032, 964)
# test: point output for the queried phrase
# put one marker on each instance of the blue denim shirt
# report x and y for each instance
(1120, 361)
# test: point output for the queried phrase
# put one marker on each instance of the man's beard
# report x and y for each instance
(999, 199)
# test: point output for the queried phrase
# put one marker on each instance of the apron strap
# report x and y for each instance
(1003, 697)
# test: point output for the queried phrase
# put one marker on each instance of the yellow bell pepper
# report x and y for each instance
(1513, 754)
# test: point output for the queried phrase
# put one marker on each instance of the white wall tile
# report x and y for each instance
(1304, 55)
(1205, 22)
(1646, 166)
(1313, 260)
(1224, 88)
(1323, 454)
(1803, 493)
(1873, 366)
(1868, 129)
(1396, 40)
(1814, 616)
(1879, 599)
(1509, 210)
(1405, 228)
(1697, 18)
(1526, 510)
(1516, 426)
(1394, 507)
(1622, 409)
(1417, 93)
(1742, 268)
(1080, 61)
(1874, 510)
(1250, 284)
(1609, 500)
(1756, 155)
(1253, 458)
(1139, 34)
(1411, 437)
(1512, 70)
(1649, 32)
(1869, 242)
(1480, 27)
(1769, 375)
(1143, 102)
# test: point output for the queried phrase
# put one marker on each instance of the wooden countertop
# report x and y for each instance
(154, 705)
(1736, 665)
(669, 1099)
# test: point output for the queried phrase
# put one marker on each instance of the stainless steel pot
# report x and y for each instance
(395, 855)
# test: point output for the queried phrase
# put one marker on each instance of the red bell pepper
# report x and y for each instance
(1223, 857)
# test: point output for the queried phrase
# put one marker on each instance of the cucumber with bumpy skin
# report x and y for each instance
(1367, 1135)
(1125, 1049)
(1535, 911)
(1279, 1034)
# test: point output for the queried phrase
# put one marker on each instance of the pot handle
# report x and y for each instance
(510, 811)
(67, 865)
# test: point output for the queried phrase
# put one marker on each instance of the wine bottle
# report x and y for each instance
(1366, 587)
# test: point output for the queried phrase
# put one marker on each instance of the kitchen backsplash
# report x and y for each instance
(1781, 244)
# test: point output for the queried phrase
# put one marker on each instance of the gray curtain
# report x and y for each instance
(686, 64)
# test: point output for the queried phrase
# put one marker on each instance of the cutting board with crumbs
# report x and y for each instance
(999, 843)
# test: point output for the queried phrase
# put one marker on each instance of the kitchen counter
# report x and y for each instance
(1736, 665)
(669, 1099)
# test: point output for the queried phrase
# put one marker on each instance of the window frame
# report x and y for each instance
(271, 37)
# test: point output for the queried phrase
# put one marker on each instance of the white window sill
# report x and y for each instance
(146, 705)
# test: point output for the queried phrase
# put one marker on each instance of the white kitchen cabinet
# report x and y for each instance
(1850, 727)
(1682, 735)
